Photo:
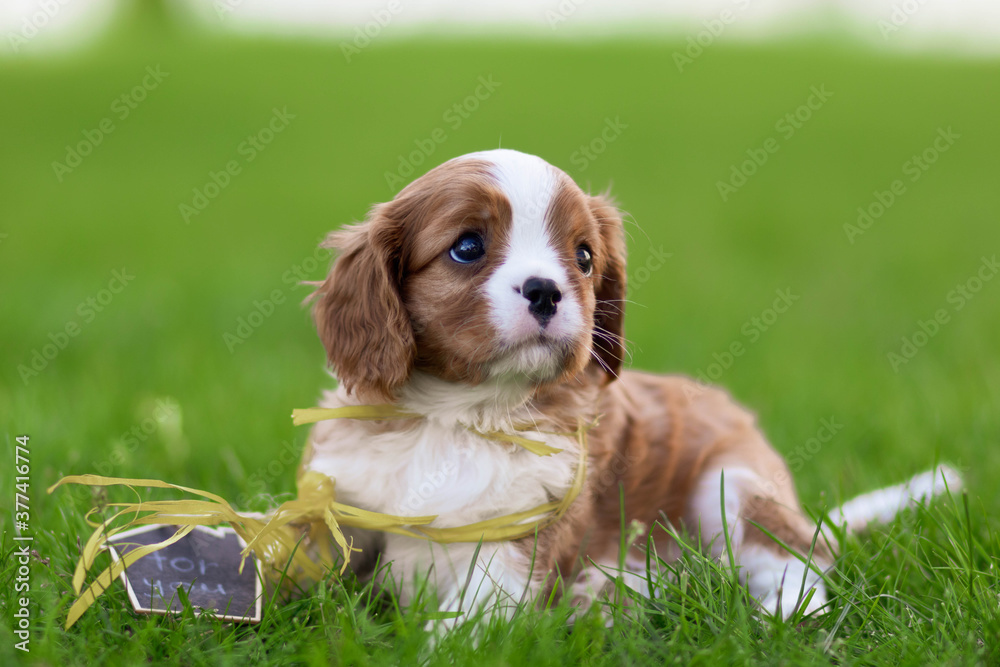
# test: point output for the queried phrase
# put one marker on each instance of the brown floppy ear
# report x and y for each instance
(359, 312)
(609, 312)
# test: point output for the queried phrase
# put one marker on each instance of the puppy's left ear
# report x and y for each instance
(608, 337)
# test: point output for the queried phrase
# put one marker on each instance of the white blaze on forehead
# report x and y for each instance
(530, 183)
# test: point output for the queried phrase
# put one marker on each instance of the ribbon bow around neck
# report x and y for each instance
(276, 538)
(389, 411)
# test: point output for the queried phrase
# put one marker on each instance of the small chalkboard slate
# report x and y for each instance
(205, 563)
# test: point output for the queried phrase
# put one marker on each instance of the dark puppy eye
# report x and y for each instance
(584, 260)
(468, 248)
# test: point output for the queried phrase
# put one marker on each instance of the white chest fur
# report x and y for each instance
(444, 470)
(439, 466)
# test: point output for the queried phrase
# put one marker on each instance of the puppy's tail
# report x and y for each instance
(882, 505)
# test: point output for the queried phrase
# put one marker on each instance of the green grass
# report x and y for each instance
(921, 591)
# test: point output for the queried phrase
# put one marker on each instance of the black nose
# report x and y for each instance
(542, 295)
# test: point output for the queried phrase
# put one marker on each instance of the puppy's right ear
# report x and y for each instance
(359, 312)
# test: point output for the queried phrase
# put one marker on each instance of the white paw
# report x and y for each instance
(783, 602)
(777, 581)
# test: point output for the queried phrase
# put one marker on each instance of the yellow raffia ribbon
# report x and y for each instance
(388, 411)
(302, 416)
(276, 539)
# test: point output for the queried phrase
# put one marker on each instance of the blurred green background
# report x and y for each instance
(163, 339)
(163, 191)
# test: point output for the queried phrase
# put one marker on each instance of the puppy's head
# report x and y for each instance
(492, 266)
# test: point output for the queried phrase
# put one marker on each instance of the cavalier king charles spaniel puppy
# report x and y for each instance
(488, 297)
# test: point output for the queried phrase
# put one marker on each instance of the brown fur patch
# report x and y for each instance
(657, 436)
